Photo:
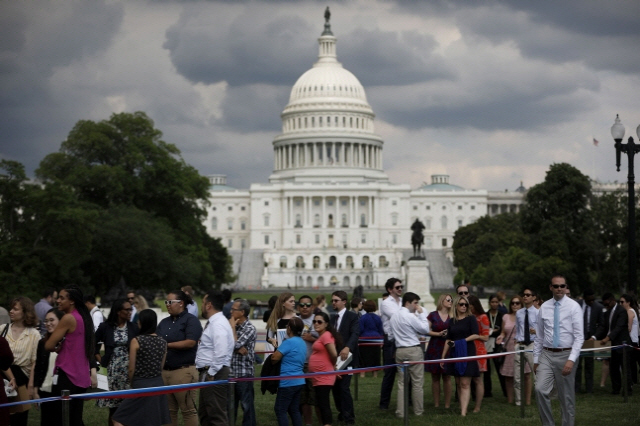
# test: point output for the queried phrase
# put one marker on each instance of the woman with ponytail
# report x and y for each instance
(73, 340)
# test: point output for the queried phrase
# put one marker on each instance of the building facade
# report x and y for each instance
(329, 216)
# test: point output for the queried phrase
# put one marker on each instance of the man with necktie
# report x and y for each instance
(348, 325)
(560, 336)
(526, 321)
(593, 324)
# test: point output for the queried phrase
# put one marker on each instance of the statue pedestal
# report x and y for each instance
(419, 282)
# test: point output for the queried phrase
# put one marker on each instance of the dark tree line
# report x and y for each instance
(563, 228)
(115, 203)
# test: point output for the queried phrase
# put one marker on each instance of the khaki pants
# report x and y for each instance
(416, 376)
(183, 401)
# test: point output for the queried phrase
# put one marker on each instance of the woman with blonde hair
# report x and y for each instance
(140, 303)
(22, 335)
(508, 337)
(438, 324)
(461, 335)
(284, 310)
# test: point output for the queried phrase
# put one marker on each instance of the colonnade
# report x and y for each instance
(322, 154)
(351, 209)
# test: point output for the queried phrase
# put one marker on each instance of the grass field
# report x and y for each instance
(591, 409)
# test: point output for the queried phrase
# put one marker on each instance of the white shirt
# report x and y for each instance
(192, 308)
(571, 331)
(533, 321)
(216, 344)
(634, 327)
(389, 307)
(406, 327)
(97, 317)
(340, 316)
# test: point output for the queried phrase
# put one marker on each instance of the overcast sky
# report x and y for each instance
(489, 92)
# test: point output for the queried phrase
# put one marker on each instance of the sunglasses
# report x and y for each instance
(559, 285)
(463, 304)
(128, 309)
(448, 300)
(304, 305)
(336, 300)
(463, 293)
(169, 302)
(399, 287)
(317, 322)
(527, 294)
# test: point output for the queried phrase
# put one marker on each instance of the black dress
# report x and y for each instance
(461, 330)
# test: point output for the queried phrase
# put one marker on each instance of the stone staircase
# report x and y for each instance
(248, 264)
(440, 269)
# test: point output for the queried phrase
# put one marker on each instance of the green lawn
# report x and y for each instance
(590, 409)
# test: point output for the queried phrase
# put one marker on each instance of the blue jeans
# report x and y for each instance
(244, 395)
(288, 401)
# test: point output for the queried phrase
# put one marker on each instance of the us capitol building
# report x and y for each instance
(329, 216)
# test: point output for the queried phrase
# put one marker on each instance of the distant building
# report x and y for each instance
(329, 216)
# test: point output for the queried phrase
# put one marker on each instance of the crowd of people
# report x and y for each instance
(45, 349)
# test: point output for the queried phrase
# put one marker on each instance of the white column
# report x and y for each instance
(354, 210)
(290, 211)
(323, 220)
(370, 211)
(336, 220)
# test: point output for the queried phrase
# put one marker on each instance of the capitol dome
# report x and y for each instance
(327, 126)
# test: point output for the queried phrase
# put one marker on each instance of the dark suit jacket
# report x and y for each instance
(619, 326)
(596, 326)
(106, 333)
(350, 333)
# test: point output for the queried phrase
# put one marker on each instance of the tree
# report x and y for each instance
(140, 203)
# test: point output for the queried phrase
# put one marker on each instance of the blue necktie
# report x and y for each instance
(556, 325)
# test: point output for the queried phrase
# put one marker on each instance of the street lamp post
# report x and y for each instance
(630, 148)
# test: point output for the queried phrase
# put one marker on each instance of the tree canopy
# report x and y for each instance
(562, 228)
(115, 203)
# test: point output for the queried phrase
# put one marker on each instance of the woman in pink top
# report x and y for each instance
(73, 339)
(323, 358)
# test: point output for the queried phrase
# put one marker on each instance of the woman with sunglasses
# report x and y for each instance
(323, 358)
(508, 338)
(461, 335)
(116, 333)
(438, 324)
(182, 331)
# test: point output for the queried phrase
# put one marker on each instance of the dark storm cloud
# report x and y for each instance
(381, 57)
(251, 50)
(35, 40)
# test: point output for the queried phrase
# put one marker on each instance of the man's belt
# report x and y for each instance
(556, 349)
(405, 347)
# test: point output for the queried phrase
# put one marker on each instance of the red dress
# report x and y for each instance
(484, 329)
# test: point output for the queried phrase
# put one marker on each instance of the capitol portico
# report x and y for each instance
(329, 214)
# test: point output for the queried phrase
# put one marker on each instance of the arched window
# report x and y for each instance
(299, 262)
(309, 282)
(214, 223)
(333, 263)
(316, 262)
(243, 225)
(443, 222)
(320, 281)
(349, 262)
(283, 261)
(382, 262)
(343, 220)
(346, 282)
(358, 281)
(367, 281)
(365, 262)
(330, 221)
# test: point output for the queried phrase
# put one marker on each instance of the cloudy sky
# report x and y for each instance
(490, 92)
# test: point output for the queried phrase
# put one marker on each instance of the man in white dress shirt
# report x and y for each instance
(560, 337)
(526, 321)
(409, 322)
(213, 360)
(388, 307)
